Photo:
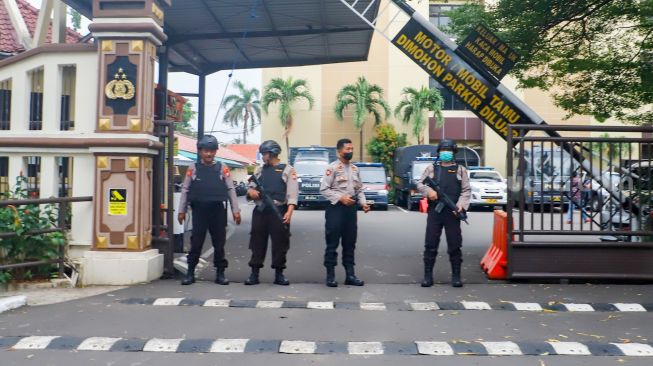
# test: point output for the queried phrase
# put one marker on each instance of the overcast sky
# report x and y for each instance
(215, 89)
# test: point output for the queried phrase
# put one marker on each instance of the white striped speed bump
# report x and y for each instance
(34, 342)
(365, 348)
(305, 347)
(168, 301)
(398, 306)
(424, 306)
(228, 346)
(162, 345)
(97, 344)
(223, 345)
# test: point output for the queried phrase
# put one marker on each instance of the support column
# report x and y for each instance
(49, 182)
(123, 177)
(201, 105)
(51, 97)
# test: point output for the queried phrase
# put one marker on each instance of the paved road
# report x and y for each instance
(389, 321)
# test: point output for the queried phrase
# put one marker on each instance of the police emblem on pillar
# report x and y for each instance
(120, 88)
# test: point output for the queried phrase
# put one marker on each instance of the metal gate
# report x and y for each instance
(580, 206)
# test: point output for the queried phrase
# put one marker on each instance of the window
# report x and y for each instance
(5, 104)
(438, 14)
(438, 17)
(4, 176)
(67, 118)
(33, 176)
(65, 164)
(36, 100)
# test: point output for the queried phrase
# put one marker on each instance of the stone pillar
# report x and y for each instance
(128, 33)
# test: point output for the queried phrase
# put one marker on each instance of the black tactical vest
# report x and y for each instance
(208, 185)
(448, 180)
(272, 181)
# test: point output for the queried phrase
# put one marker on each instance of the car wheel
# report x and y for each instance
(383, 207)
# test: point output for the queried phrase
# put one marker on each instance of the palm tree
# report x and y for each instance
(243, 107)
(285, 92)
(415, 106)
(366, 99)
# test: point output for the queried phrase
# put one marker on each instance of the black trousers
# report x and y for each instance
(340, 224)
(211, 216)
(266, 224)
(435, 222)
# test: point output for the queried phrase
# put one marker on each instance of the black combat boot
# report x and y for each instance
(219, 277)
(279, 278)
(189, 278)
(253, 277)
(331, 277)
(428, 275)
(455, 275)
(351, 278)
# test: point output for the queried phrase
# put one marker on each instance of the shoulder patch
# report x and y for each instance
(328, 172)
(293, 174)
(225, 171)
(189, 172)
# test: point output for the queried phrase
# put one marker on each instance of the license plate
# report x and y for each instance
(555, 199)
(369, 202)
(310, 198)
(491, 200)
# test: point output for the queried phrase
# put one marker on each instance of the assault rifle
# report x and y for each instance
(445, 200)
(265, 201)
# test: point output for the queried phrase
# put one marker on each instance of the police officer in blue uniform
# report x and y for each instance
(453, 181)
(208, 186)
(279, 182)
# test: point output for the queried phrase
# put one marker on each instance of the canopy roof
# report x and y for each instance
(206, 36)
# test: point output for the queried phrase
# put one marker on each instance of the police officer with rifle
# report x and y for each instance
(446, 185)
(208, 186)
(274, 189)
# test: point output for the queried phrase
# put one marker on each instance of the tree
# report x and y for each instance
(285, 92)
(382, 147)
(244, 108)
(184, 127)
(416, 105)
(596, 55)
(365, 98)
(75, 19)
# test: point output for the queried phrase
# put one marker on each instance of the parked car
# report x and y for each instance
(488, 187)
(375, 183)
(309, 177)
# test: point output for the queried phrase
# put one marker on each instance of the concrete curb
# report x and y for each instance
(12, 302)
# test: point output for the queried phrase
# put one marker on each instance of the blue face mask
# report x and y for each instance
(446, 156)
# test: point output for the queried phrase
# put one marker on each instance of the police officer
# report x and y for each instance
(279, 182)
(454, 182)
(207, 186)
(343, 188)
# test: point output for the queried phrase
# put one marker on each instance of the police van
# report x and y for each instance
(488, 187)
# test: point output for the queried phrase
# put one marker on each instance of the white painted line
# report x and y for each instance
(424, 306)
(217, 303)
(168, 301)
(570, 348)
(229, 346)
(97, 344)
(579, 307)
(269, 304)
(162, 345)
(34, 342)
(12, 302)
(635, 349)
(502, 348)
(629, 307)
(374, 306)
(320, 305)
(476, 305)
(434, 348)
(365, 348)
(527, 306)
(402, 209)
(298, 347)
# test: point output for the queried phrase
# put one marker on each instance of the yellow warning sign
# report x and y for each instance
(117, 202)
